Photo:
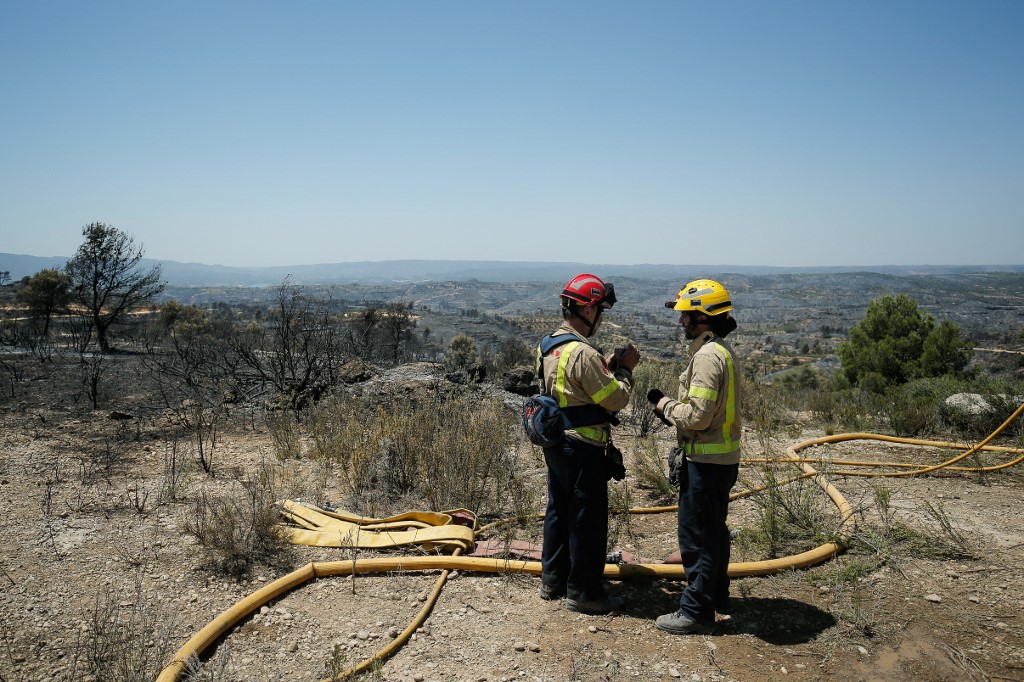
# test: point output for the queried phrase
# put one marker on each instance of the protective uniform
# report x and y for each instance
(576, 374)
(708, 426)
(706, 415)
(576, 520)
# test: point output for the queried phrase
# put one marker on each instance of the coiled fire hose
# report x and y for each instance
(365, 532)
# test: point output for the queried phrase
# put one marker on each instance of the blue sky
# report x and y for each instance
(789, 133)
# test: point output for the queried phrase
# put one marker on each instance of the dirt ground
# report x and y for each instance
(69, 533)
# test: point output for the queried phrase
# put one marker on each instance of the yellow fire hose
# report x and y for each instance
(437, 530)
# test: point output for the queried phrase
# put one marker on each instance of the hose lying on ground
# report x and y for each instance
(437, 529)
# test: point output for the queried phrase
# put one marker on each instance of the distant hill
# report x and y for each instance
(375, 272)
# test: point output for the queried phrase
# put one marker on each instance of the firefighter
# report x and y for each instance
(583, 381)
(707, 420)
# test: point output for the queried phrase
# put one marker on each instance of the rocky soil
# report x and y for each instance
(74, 534)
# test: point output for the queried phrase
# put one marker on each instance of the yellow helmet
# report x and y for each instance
(703, 295)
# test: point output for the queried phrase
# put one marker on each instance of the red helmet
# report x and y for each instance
(588, 290)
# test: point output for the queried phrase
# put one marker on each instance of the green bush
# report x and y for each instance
(841, 408)
(896, 342)
(988, 404)
(911, 409)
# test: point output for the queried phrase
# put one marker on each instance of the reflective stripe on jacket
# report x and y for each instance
(575, 373)
(706, 415)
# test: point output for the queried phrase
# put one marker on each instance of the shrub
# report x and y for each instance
(285, 434)
(649, 471)
(650, 374)
(462, 355)
(237, 529)
(453, 450)
(125, 639)
(983, 408)
(896, 342)
(910, 412)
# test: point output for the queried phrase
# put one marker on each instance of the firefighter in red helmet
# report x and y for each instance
(589, 388)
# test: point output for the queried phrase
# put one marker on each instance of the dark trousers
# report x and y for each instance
(576, 521)
(704, 537)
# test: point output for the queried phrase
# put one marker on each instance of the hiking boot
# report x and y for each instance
(681, 624)
(550, 592)
(596, 607)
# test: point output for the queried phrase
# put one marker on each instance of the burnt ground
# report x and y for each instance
(899, 605)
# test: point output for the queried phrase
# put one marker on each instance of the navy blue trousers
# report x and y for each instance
(576, 521)
(704, 537)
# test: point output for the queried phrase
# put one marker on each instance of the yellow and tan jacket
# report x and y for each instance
(707, 415)
(575, 373)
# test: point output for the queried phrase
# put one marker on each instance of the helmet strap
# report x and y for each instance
(575, 311)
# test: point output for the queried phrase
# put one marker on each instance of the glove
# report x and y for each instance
(655, 397)
(616, 467)
(675, 460)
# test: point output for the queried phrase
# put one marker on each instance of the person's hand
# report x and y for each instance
(659, 400)
(629, 356)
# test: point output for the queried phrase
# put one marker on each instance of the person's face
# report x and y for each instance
(594, 315)
(692, 328)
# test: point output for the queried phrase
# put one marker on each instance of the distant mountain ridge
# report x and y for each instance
(370, 272)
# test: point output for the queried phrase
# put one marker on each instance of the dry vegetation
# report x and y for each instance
(132, 524)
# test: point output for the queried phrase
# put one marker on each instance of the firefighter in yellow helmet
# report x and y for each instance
(706, 462)
(590, 388)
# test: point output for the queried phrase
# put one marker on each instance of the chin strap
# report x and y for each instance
(590, 325)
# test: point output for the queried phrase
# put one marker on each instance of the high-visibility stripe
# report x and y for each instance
(612, 386)
(728, 445)
(730, 404)
(711, 448)
(558, 390)
(701, 392)
(593, 433)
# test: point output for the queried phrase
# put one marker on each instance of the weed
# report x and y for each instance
(472, 457)
(855, 604)
(326, 428)
(910, 410)
(789, 510)
(883, 505)
(125, 639)
(621, 530)
(764, 412)
(649, 472)
(650, 374)
(173, 480)
(337, 663)
(951, 543)
(217, 669)
(454, 450)
(844, 570)
(284, 432)
(238, 530)
(136, 496)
